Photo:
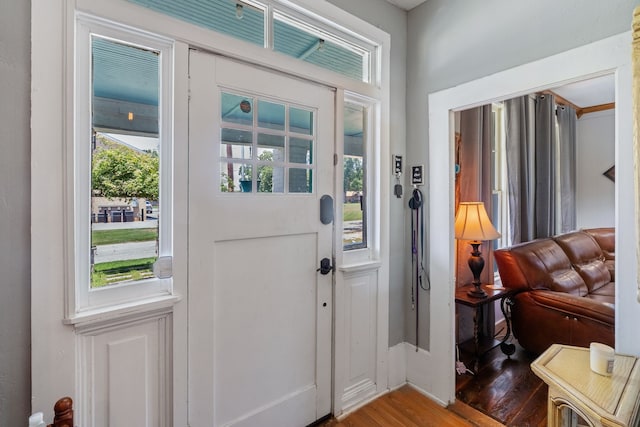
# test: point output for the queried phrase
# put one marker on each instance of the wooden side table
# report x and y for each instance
(479, 344)
(599, 400)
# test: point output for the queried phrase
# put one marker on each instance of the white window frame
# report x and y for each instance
(87, 300)
(501, 187)
(371, 162)
(310, 25)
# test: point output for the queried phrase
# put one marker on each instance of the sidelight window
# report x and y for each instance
(122, 179)
(354, 160)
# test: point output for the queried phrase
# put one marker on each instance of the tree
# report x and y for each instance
(265, 173)
(353, 173)
(118, 171)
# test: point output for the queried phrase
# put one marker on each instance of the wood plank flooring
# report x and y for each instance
(407, 407)
(505, 388)
(503, 392)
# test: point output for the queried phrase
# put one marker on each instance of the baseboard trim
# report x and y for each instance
(347, 411)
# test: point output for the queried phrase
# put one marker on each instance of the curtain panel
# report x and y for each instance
(541, 167)
(473, 182)
(567, 121)
(546, 157)
(520, 152)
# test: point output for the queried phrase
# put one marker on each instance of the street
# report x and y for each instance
(124, 251)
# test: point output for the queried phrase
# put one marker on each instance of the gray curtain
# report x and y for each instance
(567, 161)
(475, 181)
(541, 167)
(546, 157)
(520, 152)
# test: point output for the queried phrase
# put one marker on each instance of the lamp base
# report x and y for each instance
(476, 264)
(477, 291)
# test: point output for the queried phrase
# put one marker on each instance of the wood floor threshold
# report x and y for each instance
(472, 415)
(408, 407)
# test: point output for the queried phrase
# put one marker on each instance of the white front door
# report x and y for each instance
(260, 158)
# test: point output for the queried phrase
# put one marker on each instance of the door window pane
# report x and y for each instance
(300, 151)
(270, 179)
(301, 121)
(280, 135)
(271, 115)
(125, 163)
(300, 180)
(270, 147)
(236, 177)
(236, 144)
(236, 109)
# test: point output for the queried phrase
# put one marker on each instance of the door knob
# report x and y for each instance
(325, 266)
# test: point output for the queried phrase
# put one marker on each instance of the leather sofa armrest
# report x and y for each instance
(575, 306)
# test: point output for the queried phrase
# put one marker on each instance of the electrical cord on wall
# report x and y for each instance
(418, 276)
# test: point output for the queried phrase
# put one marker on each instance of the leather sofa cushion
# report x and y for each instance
(546, 266)
(586, 258)
(606, 238)
(608, 290)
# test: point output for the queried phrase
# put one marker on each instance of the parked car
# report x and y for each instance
(148, 207)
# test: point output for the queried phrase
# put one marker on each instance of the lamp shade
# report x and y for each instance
(472, 223)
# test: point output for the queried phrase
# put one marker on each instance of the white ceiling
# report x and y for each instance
(588, 93)
(406, 4)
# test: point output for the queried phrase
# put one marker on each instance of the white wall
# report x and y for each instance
(595, 152)
(15, 292)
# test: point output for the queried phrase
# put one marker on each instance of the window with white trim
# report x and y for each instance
(295, 33)
(357, 142)
(122, 170)
(267, 142)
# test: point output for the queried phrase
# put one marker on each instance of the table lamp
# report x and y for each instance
(473, 224)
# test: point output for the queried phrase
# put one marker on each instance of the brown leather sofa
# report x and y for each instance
(564, 289)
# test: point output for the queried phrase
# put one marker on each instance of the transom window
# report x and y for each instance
(266, 146)
(268, 23)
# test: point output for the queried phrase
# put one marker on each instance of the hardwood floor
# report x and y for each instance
(407, 407)
(503, 392)
(505, 389)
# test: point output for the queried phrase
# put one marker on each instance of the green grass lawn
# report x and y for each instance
(351, 212)
(107, 273)
(109, 237)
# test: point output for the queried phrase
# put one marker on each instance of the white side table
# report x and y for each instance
(599, 400)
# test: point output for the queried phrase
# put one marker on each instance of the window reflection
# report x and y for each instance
(354, 173)
(125, 163)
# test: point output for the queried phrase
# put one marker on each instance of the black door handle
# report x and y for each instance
(325, 266)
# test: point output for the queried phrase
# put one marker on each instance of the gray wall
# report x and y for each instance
(595, 153)
(455, 41)
(15, 291)
(393, 21)
(448, 42)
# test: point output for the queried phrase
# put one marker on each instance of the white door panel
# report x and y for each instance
(259, 312)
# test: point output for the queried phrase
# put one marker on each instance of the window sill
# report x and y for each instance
(363, 266)
(113, 313)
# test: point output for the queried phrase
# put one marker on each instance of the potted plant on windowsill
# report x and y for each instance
(245, 178)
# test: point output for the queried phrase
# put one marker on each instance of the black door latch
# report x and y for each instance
(325, 266)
